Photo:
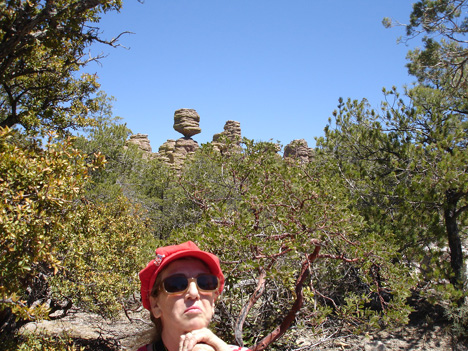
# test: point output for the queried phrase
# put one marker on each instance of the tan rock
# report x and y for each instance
(176, 151)
(232, 132)
(311, 154)
(168, 145)
(183, 148)
(297, 149)
(186, 146)
(141, 140)
(186, 121)
(166, 151)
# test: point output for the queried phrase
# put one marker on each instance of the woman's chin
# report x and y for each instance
(195, 324)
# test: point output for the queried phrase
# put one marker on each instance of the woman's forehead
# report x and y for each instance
(188, 266)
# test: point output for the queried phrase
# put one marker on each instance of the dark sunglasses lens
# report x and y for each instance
(175, 284)
(207, 282)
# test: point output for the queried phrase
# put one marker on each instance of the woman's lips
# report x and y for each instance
(193, 309)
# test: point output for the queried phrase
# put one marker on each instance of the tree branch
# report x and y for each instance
(259, 290)
(287, 321)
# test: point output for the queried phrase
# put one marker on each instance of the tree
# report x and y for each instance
(408, 166)
(42, 49)
(57, 245)
(406, 163)
(108, 137)
(145, 181)
(442, 104)
(444, 25)
(292, 247)
(106, 243)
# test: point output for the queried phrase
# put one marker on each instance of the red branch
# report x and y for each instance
(245, 310)
(287, 321)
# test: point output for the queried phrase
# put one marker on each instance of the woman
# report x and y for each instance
(179, 288)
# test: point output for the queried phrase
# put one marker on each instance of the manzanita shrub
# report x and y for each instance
(293, 249)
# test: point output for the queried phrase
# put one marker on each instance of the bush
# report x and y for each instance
(291, 244)
(60, 248)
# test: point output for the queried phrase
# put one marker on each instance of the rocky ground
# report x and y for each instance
(128, 333)
(410, 338)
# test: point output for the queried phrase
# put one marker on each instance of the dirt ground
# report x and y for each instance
(409, 338)
(129, 334)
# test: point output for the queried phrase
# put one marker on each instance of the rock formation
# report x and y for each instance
(186, 121)
(174, 152)
(140, 140)
(182, 149)
(166, 151)
(232, 132)
(298, 149)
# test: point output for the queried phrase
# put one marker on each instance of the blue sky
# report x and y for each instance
(277, 66)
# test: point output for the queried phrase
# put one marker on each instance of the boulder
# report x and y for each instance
(186, 121)
(185, 146)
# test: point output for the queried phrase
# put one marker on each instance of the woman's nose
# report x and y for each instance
(193, 290)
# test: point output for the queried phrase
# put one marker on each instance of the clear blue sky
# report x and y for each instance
(276, 66)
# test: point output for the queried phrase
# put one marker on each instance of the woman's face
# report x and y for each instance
(191, 310)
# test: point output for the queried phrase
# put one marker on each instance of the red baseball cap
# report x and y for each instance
(168, 254)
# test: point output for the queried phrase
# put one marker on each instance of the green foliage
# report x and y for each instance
(42, 46)
(58, 246)
(106, 245)
(442, 62)
(30, 342)
(107, 137)
(147, 182)
(458, 314)
(265, 214)
(61, 240)
(37, 186)
(406, 166)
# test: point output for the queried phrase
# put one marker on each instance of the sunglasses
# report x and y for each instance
(179, 284)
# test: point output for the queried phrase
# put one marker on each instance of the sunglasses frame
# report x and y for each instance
(162, 287)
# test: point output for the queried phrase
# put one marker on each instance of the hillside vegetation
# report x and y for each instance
(369, 234)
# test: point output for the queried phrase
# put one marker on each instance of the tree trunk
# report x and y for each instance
(453, 235)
